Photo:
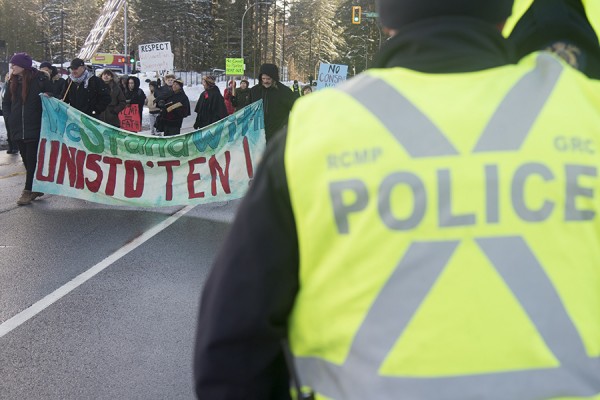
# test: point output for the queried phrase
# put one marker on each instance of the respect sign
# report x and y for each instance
(87, 159)
(156, 57)
(234, 66)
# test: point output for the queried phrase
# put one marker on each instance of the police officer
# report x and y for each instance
(568, 28)
(434, 235)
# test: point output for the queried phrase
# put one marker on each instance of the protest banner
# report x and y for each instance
(331, 75)
(129, 118)
(87, 159)
(156, 57)
(234, 66)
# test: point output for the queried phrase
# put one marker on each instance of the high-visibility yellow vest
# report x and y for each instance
(592, 10)
(449, 235)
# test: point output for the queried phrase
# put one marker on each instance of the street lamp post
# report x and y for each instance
(244, 16)
(125, 70)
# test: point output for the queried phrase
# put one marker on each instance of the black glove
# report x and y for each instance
(196, 126)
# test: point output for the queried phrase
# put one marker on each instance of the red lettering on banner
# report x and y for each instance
(129, 118)
(112, 174)
(133, 168)
(54, 149)
(215, 168)
(192, 178)
(169, 169)
(74, 161)
(249, 167)
(68, 163)
(92, 164)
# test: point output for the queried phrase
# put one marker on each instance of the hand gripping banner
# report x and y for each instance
(87, 159)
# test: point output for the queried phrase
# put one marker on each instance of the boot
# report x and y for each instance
(25, 198)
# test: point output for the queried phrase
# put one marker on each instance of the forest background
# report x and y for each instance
(297, 34)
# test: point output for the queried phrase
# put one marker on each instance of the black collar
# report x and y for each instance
(446, 45)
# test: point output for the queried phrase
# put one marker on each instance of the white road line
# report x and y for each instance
(62, 291)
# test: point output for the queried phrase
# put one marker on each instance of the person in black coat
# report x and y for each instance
(85, 91)
(211, 104)
(174, 110)
(242, 96)
(22, 108)
(135, 95)
(58, 82)
(277, 99)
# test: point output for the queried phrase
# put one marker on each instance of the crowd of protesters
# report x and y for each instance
(106, 97)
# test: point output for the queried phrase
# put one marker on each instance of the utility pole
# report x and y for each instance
(274, 31)
(285, 3)
(125, 70)
(62, 40)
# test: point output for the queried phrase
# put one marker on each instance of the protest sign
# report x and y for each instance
(331, 75)
(129, 118)
(234, 66)
(87, 159)
(156, 57)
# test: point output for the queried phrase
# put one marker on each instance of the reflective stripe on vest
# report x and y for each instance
(423, 263)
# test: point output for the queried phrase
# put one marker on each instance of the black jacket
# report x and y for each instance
(91, 100)
(177, 107)
(277, 104)
(251, 290)
(210, 108)
(136, 96)
(241, 98)
(24, 119)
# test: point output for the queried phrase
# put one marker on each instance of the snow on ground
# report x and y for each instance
(192, 91)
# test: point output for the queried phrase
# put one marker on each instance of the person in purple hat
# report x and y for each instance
(22, 107)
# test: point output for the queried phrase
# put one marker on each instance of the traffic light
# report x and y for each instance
(356, 14)
(132, 57)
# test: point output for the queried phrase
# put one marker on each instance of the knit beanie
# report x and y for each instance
(398, 13)
(22, 60)
(210, 80)
(270, 70)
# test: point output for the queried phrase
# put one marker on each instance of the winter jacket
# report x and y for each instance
(277, 104)
(24, 119)
(177, 107)
(152, 107)
(210, 108)
(264, 236)
(227, 96)
(91, 97)
(296, 90)
(58, 85)
(241, 98)
(117, 104)
(136, 96)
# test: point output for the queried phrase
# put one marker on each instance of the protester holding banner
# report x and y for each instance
(176, 107)
(85, 91)
(242, 96)
(135, 95)
(228, 95)
(22, 108)
(277, 99)
(165, 90)
(57, 81)
(117, 99)
(211, 105)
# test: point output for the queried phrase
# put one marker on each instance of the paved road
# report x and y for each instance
(127, 332)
